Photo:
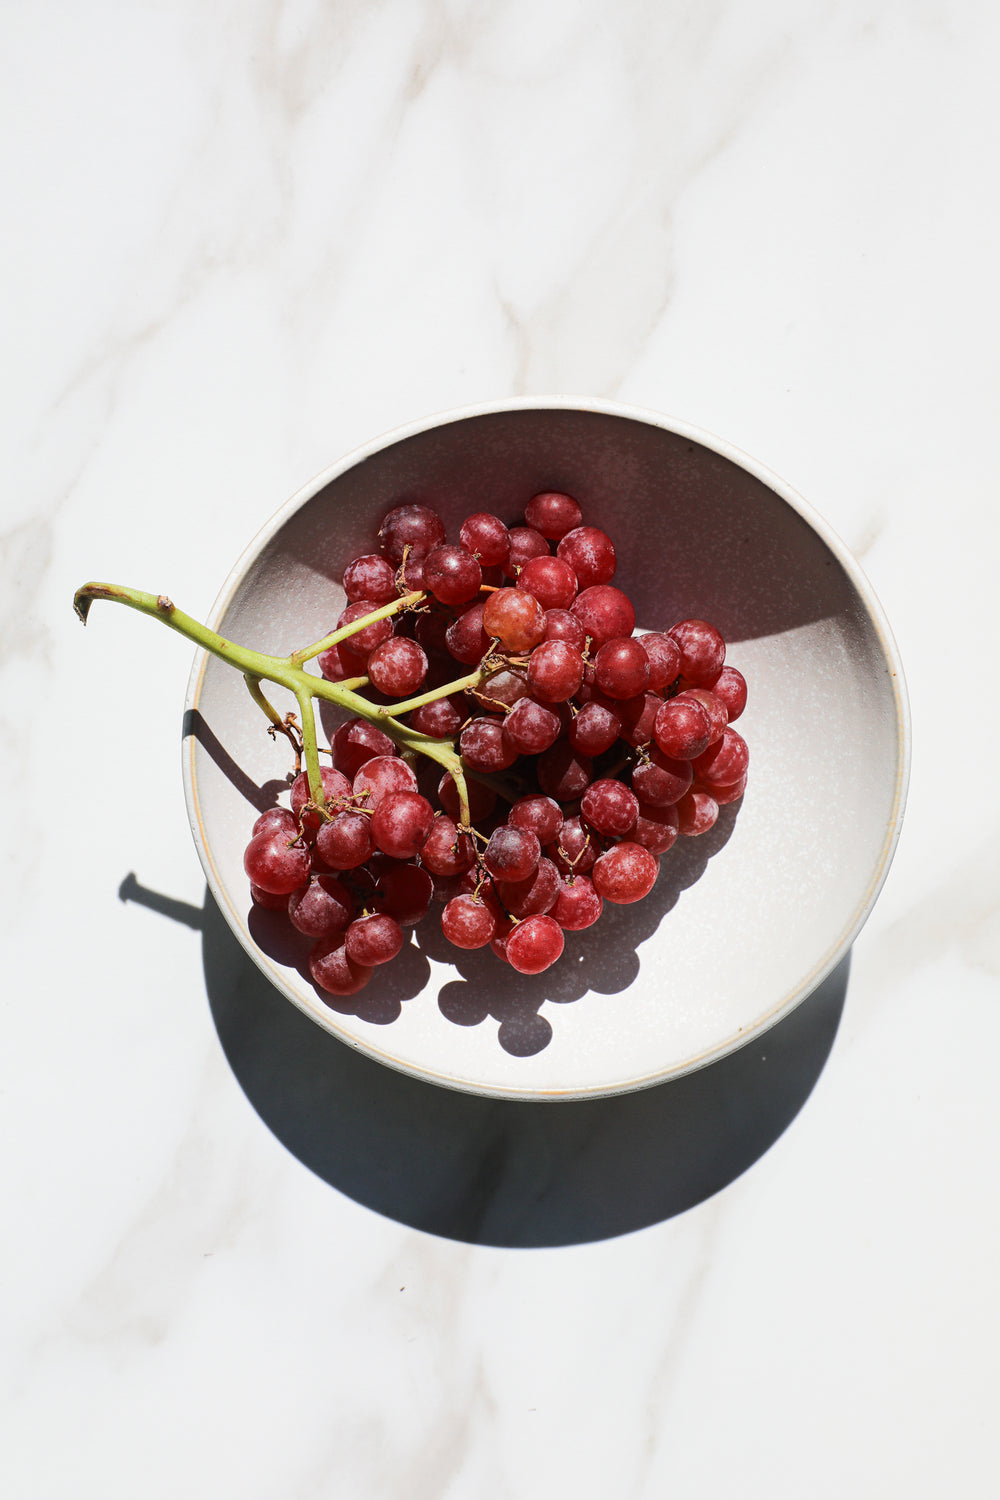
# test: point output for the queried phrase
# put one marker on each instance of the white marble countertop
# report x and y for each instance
(243, 239)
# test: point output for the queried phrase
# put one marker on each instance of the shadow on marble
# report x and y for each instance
(496, 1172)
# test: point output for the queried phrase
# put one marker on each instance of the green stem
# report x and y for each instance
(404, 602)
(287, 673)
(310, 749)
(458, 686)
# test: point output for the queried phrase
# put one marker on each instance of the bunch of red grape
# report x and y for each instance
(586, 749)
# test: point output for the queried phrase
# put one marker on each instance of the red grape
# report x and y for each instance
(625, 873)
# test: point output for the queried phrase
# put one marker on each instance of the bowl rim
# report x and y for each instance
(679, 428)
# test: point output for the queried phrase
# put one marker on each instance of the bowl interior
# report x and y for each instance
(744, 921)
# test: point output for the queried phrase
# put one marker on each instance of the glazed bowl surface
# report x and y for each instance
(745, 920)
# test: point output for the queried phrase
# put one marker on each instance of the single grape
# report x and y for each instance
(553, 514)
(541, 814)
(336, 788)
(452, 574)
(397, 667)
(531, 727)
(664, 656)
(468, 923)
(515, 618)
(442, 718)
(562, 625)
(534, 945)
(525, 543)
(550, 580)
(502, 689)
(609, 807)
(595, 728)
(274, 819)
(555, 671)
(402, 823)
(731, 687)
(380, 777)
(682, 728)
(574, 849)
(363, 642)
(604, 612)
(267, 899)
(275, 864)
(696, 813)
(445, 850)
(356, 742)
(512, 853)
(373, 939)
(577, 904)
(338, 663)
(410, 574)
(590, 552)
(621, 667)
(655, 828)
(321, 908)
(638, 716)
(661, 780)
(625, 873)
(725, 761)
(483, 746)
(332, 970)
(345, 842)
(723, 795)
(370, 577)
(487, 537)
(703, 651)
(414, 526)
(465, 637)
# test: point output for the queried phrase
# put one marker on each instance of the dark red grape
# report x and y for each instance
(621, 667)
(452, 574)
(550, 580)
(553, 514)
(604, 612)
(577, 904)
(413, 526)
(373, 939)
(512, 853)
(590, 552)
(402, 823)
(275, 864)
(356, 742)
(487, 537)
(333, 970)
(703, 651)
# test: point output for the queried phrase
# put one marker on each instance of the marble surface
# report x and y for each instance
(239, 1259)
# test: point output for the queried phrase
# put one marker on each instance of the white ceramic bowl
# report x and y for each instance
(745, 921)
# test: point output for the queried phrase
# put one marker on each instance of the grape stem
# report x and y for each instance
(287, 672)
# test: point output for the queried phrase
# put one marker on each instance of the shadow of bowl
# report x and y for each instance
(506, 1173)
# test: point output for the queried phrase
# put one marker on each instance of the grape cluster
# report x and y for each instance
(586, 749)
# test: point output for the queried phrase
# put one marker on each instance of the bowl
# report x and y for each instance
(745, 920)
